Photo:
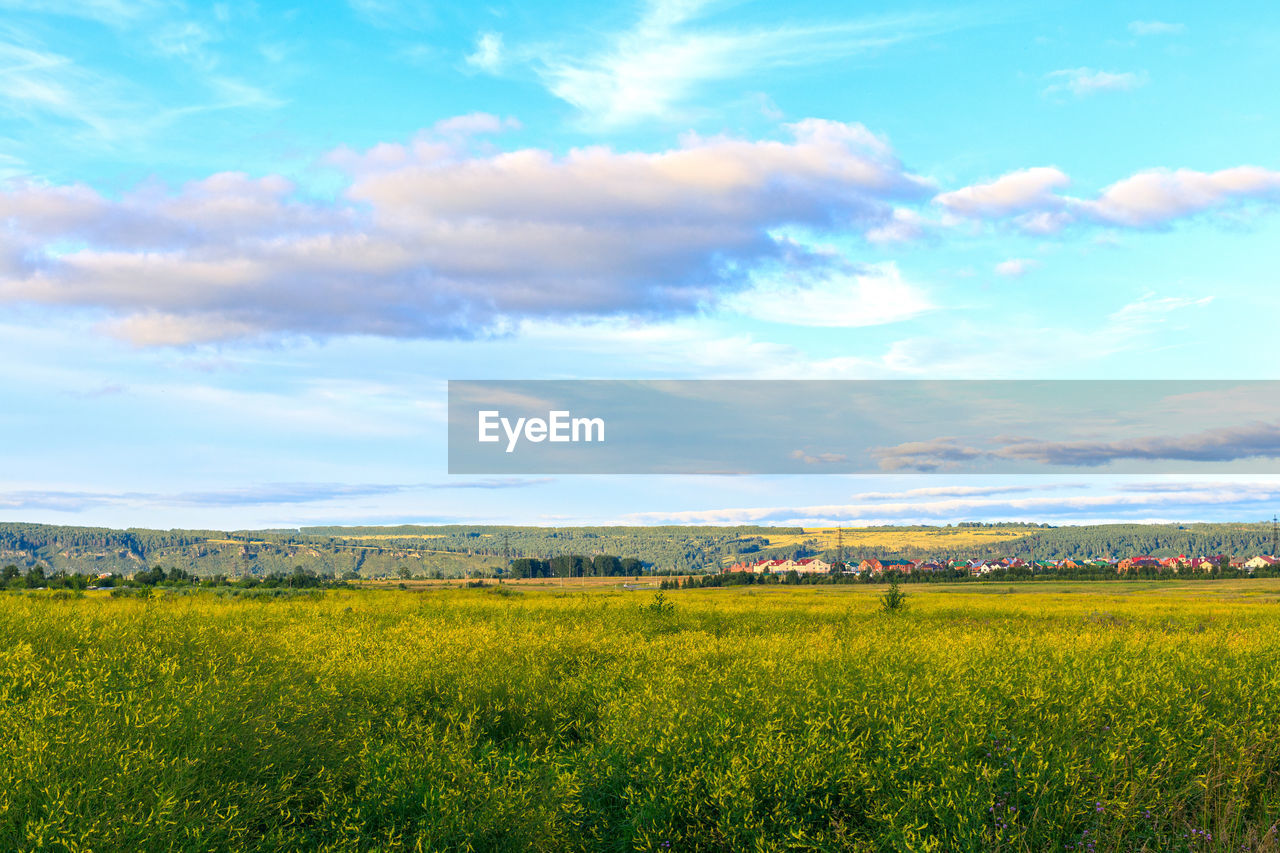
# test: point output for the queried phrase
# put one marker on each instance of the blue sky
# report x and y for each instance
(246, 244)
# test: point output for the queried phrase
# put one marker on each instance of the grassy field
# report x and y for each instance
(944, 539)
(1086, 717)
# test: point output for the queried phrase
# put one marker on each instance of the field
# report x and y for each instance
(1085, 717)
(944, 539)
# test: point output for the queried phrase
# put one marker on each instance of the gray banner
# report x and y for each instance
(863, 427)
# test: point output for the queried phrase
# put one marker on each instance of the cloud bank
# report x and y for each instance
(1220, 444)
(1135, 502)
(430, 239)
(1153, 198)
(448, 237)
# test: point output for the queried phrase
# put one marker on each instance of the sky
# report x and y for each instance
(246, 245)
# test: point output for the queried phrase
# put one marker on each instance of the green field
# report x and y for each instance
(984, 717)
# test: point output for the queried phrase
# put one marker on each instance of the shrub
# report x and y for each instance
(894, 600)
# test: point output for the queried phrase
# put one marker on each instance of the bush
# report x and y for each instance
(660, 606)
(894, 600)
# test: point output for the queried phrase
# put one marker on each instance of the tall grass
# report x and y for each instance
(1145, 719)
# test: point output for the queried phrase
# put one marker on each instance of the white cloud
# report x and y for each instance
(474, 124)
(62, 98)
(1157, 196)
(915, 508)
(36, 83)
(488, 55)
(433, 240)
(1155, 28)
(871, 296)
(819, 458)
(654, 69)
(1019, 351)
(1082, 82)
(1148, 199)
(1026, 189)
(1150, 313)
(1016, 267)
(904, 226)
(689, 347)
(958, 491)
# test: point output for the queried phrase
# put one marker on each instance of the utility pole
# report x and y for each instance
(1273, 535)
(840, 549)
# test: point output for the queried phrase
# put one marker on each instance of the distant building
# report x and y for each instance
(1144, 561)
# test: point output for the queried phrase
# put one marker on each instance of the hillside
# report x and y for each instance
(454, 550)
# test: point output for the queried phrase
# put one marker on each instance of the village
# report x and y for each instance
(1144, 564)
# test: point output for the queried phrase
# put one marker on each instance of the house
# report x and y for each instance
(1145, 561)
(871, 564)
(904, 566)
(757, 567)
(813, 566)
(1262, 562)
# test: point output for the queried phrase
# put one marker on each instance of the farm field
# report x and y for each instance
(896, 538)
(567, 585)
(985, 717)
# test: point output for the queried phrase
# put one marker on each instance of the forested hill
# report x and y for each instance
(451, 550)
(1158, 540)
(446, 550)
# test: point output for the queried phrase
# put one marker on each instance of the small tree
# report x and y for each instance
(35, 576)
(895, 600)
(660, 606)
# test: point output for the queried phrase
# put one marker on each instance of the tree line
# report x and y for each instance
(576, 566)
(949, 575)
(11, 577)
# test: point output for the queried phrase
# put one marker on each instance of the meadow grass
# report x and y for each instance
(1089, 717)
(951, 539)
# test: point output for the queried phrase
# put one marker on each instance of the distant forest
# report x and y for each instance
(456, 550)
